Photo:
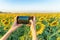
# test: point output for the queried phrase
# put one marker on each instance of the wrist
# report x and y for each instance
(10, 31)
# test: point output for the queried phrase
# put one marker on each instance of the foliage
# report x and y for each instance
(47, 28)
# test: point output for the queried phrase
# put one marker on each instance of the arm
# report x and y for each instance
(13, 28)
(6, 35)
(33, 29)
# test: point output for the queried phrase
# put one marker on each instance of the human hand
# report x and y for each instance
(13, 28)
(15, 25)
(32, 22)
(33, 28)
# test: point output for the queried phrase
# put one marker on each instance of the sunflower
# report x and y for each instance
(58, 38)
(5, 16)
(41, 18)
(11, 19)
(48, 16)
(21, 38)
(40, 31)
(6, 28)
(47, 20)
(30, 35)
(6, 23)
(3, 20)
(38, 23)
(54, 23)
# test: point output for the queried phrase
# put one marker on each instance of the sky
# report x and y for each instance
(30, 5)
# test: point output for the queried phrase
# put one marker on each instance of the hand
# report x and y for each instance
(13, 28)
(33, 29)
(32, 22)
(15, 25)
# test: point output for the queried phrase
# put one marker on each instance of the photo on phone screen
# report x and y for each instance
(23, 19)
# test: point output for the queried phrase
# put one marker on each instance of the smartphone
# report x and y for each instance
(24, 19)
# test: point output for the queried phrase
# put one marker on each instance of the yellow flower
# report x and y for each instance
(30, 35)
(42, 27)
(3, 20)
(58, 38)
(47, 20)
(41, 18)
(54, 23)
(58, 31)
(11, 20)
(40, 31)
(38, 23)
(21, 38)
(7, 23)
(49, 16)
(6, 28)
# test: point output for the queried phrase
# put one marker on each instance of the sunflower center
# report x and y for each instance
(54, 23)
(3, 20)
(6, 22)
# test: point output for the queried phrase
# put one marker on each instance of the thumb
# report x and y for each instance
(31, 21)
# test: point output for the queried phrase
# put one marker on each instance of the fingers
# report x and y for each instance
(31, 21)
(34, 18)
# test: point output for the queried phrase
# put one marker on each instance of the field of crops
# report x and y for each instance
(47, 27)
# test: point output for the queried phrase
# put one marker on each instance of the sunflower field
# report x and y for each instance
(47, 27)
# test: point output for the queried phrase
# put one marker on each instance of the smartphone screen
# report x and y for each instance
(23, 19)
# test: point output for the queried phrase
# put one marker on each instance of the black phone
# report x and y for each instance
(24, 19)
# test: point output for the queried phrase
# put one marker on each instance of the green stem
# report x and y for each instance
(53, 34)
